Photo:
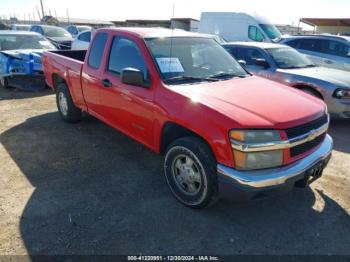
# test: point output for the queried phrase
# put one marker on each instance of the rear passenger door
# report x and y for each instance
(128, 107)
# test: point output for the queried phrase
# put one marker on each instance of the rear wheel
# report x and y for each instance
(68, 111)
(190, 171)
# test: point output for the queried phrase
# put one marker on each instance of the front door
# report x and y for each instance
(127, 107)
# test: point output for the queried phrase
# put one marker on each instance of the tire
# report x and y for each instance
(190, 171)
(4, 82)
(312, 92)
(66, 108)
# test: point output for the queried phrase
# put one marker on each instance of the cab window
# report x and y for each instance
(97, 50)
(249, 55)
(337, 48)
(310, 45)
(125, 53)
(85, 37)
(255, 34)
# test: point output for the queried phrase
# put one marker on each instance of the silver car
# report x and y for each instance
(324, 50)
(286, 65)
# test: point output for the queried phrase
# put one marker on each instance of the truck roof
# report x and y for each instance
(146, 32)
(258, 18)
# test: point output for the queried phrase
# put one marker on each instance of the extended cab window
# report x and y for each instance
(97, 49)
(255, 34)
(125, 53)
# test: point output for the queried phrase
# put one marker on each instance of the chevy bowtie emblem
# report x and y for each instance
(312, 135)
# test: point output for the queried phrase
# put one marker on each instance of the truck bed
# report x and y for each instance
(74, 54)
(65, 65)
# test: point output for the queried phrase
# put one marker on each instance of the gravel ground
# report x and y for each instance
(87, 189)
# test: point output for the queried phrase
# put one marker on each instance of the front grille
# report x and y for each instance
(303, 148)
(303, 129)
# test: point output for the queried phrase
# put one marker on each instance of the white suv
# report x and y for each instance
(324, 50)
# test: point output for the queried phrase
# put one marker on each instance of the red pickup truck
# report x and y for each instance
(221, 130)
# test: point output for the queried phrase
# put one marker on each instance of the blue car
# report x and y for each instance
(331, 51)
(20, 59)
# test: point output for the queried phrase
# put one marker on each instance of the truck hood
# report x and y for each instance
(254, 102)
(334, 76)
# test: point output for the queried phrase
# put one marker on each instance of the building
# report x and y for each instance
(329, 25)
(60, 21)
(65, 21)
(288, 29)
(188, 24)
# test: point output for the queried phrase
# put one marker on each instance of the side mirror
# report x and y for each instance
(348, 54)
(262, 62)
(242, 63)
(133, 76)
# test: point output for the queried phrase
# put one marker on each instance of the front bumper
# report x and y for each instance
(250, 184)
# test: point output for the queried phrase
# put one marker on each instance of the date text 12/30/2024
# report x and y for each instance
(173, 258)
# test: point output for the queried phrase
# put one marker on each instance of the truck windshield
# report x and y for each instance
(288, 58)
(272, 32)
(15, 42)
(192, 59)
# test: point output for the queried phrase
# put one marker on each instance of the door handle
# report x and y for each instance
(106, 83)
(328, 61)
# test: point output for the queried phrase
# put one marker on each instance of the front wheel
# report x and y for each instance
(190, 171)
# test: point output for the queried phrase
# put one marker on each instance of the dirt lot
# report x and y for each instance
(87, 189)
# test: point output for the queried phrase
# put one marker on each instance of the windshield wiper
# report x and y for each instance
(189, 79)
(226, 75)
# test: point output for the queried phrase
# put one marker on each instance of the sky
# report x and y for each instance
(278, 11)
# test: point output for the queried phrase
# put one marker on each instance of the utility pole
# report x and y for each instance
(42, 8)
(68, 17)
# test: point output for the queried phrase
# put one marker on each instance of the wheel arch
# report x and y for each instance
(57, 79)
(313, 89)
(172, 131)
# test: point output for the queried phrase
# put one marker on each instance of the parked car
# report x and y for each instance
(20, 59)
(183, 96)
(74, 30)
(82, 41)
(20, 27)
(238, 27)
(286, 65)
(57, 35)
(324, 50)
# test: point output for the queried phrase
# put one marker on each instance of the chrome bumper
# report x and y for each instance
(273, 177)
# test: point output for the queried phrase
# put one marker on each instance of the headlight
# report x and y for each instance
(256, 160)
(342, 93)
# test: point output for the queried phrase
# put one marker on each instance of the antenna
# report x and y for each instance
(171, 38)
